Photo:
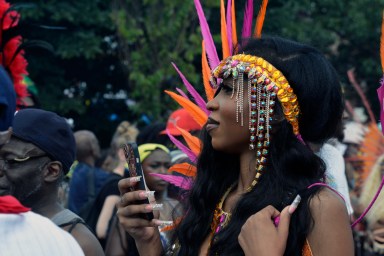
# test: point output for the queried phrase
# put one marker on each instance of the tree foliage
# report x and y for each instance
(112, 59)
(154, 33)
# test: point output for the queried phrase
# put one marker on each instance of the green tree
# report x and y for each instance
(152, 34)
(348, 32)
(123, 49)
(84, 72)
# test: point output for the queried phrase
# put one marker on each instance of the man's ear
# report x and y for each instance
(53, 171)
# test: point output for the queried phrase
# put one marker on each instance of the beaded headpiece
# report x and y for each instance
(264, 83)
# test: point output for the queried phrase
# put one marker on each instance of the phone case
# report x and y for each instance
(134, 167)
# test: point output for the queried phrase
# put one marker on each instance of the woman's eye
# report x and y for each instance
(226, 88)
(154, 166)
(217, 91)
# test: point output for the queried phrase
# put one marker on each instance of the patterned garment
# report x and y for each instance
(307, 249)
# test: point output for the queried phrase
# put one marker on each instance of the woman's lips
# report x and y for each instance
(211, 124)
(211, 127)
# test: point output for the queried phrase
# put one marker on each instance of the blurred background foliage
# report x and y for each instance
(112, 59)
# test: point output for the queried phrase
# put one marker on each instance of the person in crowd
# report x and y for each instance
(125, 132)
(24, 232)
(34, 161)
(103, 207)
(182, 119)
(155, 159)
(375, 217)
(335, 172)
(156, 133)
(86, 179)
(271, 101)
(153, 133)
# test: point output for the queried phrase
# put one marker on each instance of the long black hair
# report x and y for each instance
(292, 165)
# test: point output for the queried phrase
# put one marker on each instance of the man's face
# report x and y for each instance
(21, 165)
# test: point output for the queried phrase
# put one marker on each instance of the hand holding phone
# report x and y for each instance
(134, 167)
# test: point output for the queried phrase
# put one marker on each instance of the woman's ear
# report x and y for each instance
(53, 171)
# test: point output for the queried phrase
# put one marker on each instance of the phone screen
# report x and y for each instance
(134, 168)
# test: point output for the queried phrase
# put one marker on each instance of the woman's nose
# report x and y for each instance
(163, 169)
(212, 105)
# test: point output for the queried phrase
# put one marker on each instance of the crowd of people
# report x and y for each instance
(272, 165)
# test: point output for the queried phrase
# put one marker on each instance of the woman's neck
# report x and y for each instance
(247, 171)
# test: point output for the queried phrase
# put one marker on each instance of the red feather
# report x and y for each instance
(12, 59)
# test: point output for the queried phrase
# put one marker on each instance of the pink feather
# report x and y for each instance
(380, 93)
(229, 26)
(196, 96)
(192, 156)
(248, 17)
(213, 58)
(178, 181)
(352, 79)
(182, 93)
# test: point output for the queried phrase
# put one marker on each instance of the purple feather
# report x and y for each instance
(196, 96)
(380, 93)
(192, 156)
(178, 181)
(213, 58)
(248, 17)
(182, 93)
(229, 26)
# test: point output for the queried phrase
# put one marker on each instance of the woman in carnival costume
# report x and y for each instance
(272, 101)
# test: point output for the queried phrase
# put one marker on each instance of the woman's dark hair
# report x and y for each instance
(151, 134)
(292, 166)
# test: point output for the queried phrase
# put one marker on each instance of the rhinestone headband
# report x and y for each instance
(264, 84)
(265, 77)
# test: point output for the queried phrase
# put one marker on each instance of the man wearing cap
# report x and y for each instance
(18, 224)
(34, 162)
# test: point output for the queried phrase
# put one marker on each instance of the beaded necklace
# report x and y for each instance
(221, 218)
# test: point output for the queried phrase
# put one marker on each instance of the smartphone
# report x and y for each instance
(134, 168)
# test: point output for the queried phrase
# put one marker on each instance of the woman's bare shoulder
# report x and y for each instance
(331, 233)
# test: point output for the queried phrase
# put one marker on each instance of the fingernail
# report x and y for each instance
(276, 221)
(147, 194)
(292, 208)
(154, 207)
(135, 179)
(157, 206)
(163, 222)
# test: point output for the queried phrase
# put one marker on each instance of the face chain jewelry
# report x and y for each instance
(264, 84)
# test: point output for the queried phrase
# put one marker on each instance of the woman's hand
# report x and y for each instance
(260, 236)
(144, 232)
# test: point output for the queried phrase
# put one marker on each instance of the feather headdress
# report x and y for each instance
(372, 157)
(11, 53)
(209, 59)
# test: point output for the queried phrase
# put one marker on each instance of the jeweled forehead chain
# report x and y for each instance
(264, 85)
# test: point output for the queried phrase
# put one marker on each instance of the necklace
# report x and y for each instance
(221, 218)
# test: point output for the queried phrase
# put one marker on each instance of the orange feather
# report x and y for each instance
(185, 169)
(382, 44)
(197, 114)
(234, 30)
(209, 91)
(173, 226)
(192, 141)
(260, 19)
(224, 37)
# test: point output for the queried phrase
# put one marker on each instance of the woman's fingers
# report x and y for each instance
(126, 185)
(285, 218)
(133, 196)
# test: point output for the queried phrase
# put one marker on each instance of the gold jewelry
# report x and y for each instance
(265, 83)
